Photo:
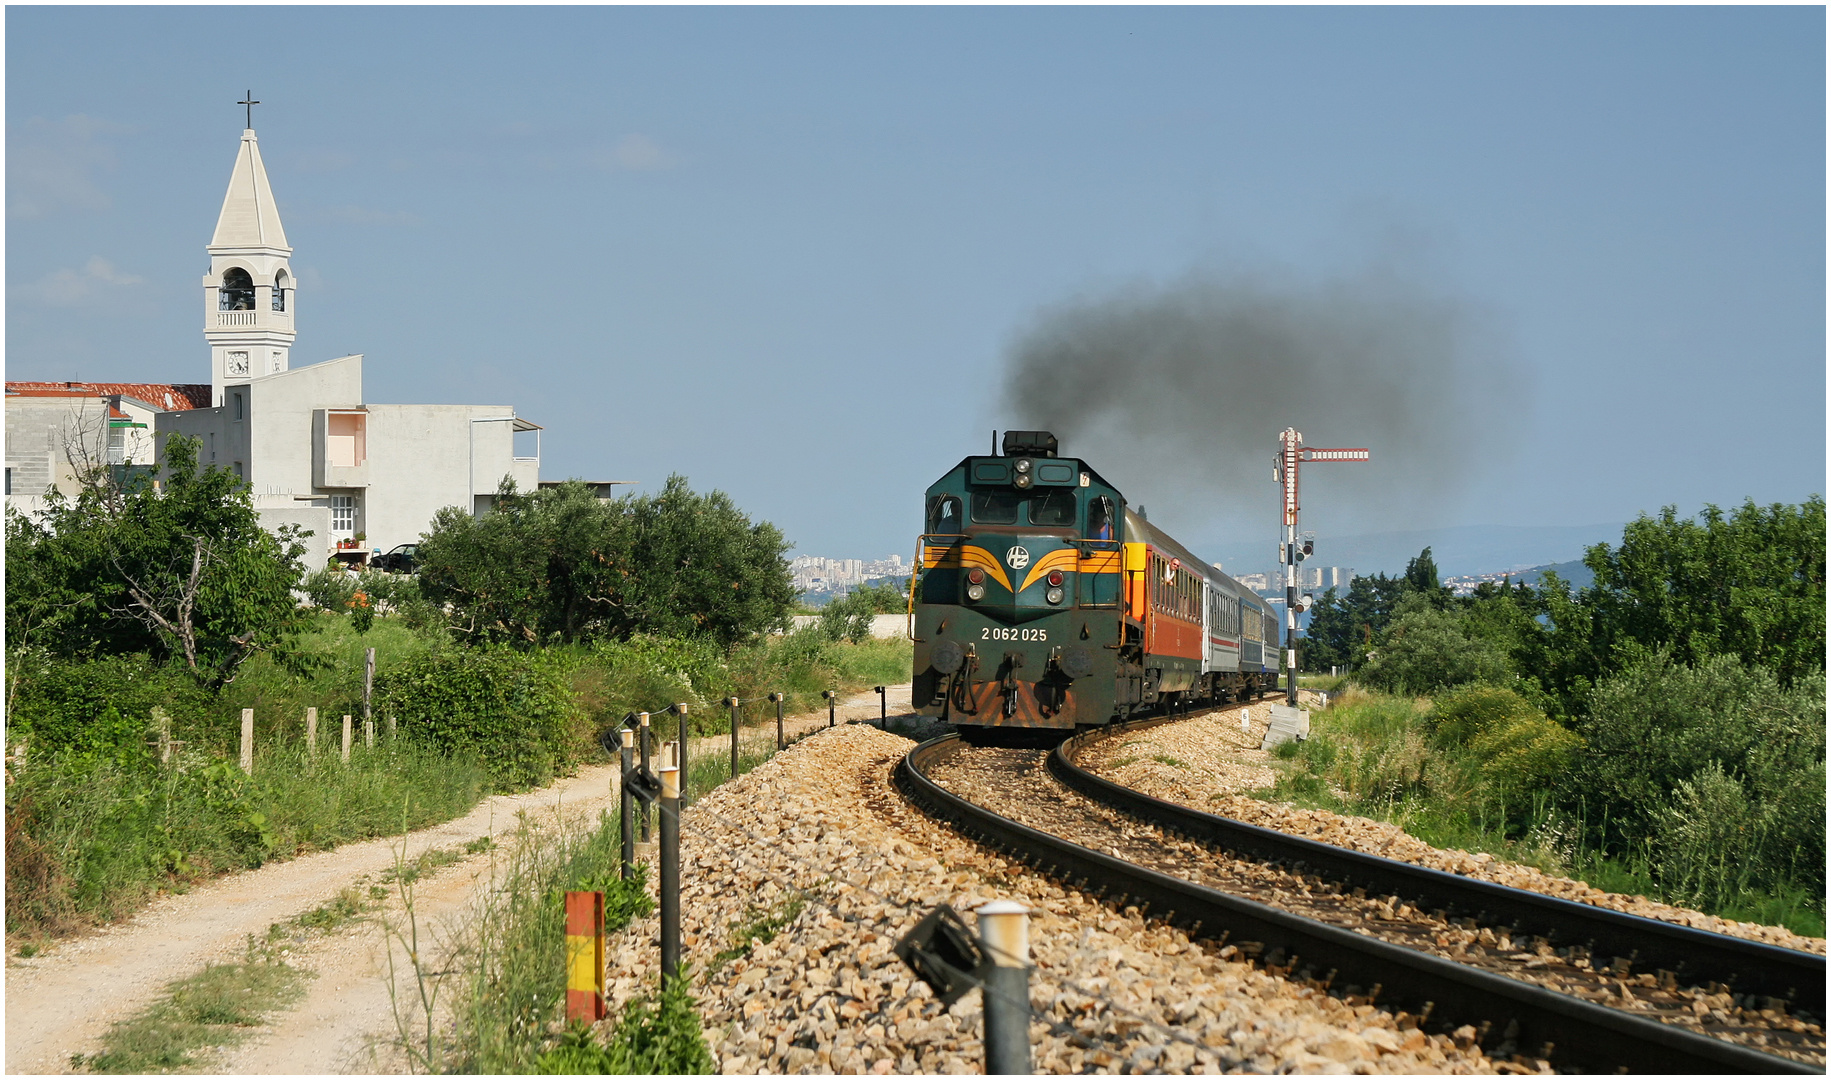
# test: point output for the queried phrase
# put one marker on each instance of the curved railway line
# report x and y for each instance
(1521, 973)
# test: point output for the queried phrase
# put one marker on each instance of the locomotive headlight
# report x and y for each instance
(1022, 466)
(1055, 579)
(975, 592)
(1024, 480)
(1054, 595)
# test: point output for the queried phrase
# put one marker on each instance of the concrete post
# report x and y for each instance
(346, 738)
(311, 731)
(248, 741)
(368, 688)
(1004, 930)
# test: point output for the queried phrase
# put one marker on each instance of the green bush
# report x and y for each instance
(1427, 650)
(511, 710)
(1668, 742)
(99, 707)
(1513, 748)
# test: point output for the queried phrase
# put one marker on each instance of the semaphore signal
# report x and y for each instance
(1291, 455)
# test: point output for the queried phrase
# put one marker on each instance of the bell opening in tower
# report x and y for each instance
(237, 292)
(279, 291)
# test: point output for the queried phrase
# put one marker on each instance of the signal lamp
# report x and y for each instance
(975, 592)
(1023, 465)
(1024, 480)
(1054, 595)
(1055, 577)
(975, 575)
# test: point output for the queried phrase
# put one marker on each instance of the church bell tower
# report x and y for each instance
(249, 294)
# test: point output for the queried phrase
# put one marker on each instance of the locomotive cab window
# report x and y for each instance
(944, 514)
(1100, 519)
(1053, 507)
(995, 507)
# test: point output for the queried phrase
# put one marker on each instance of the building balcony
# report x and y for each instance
(340, 453)
(253, 318)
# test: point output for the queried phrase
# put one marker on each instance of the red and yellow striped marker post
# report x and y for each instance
(585, 956)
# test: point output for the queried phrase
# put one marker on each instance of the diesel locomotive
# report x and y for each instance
(1048, 602)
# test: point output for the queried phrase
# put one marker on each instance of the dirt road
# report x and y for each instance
(61, 1002)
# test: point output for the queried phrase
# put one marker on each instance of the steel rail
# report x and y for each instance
(1694, 956)
(1583, 1035)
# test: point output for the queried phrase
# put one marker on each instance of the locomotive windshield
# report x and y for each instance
(1052, 507)
(995, 507)
(944, 514)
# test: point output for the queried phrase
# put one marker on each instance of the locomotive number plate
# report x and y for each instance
(1012, 633)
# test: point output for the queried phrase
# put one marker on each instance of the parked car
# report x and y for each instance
(398, 560)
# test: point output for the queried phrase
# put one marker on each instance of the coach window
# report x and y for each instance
(1052, 507)
(944, 515)
(1100, 518)
(995, 507)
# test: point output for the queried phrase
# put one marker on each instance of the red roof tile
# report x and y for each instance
(170, 397)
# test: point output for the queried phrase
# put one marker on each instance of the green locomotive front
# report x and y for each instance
(1020, 622)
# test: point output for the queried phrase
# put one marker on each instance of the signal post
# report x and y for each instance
(1291, 454)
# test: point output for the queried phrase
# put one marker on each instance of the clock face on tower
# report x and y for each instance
(237, 362)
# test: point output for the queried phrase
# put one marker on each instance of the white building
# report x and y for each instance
(310, 447)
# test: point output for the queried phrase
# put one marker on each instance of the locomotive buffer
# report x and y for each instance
(1291, 454)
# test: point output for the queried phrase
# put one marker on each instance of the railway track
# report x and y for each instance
(1519, 972)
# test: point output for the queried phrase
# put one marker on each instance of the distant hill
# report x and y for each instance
(1574, 573)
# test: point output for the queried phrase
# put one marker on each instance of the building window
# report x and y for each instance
(238, 471)
(117, 446)
(9, 481)
(238, 405)
(237, 292)
(279, 291)
(343, 513)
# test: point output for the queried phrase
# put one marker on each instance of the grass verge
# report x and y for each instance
(219, 1006)
(90, 839)
(1374, 756)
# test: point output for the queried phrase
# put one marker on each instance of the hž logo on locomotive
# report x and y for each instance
(1113, 615)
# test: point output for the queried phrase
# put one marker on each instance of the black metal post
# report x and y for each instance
(1004, 931)
(643, 717)
(883, 710)
(628, 805)
(734, 705)
(831, 704)
(681, 708)
(777, 698)
(670, 872)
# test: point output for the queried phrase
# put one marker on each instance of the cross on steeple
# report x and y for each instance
(251, 103)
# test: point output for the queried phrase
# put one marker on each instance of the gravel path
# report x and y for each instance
(822, 825)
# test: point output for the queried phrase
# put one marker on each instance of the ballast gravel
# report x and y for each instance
(819, 841)
(1209, 762)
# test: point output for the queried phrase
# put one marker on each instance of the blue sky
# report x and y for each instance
(787, 252)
